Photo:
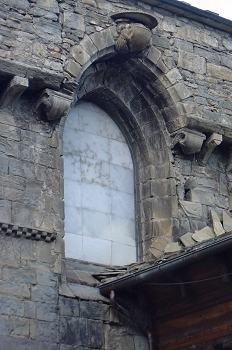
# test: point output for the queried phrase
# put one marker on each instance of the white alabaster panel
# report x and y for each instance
(113, 132)
(122, 254)
(73, 220)
(72, 167)
(96, 224)
(121, 179)
(94, 146)
(73, 246)
(123, 230)
(99, 188)
(93, 122)
(73, 119)
(96, 197)
(72, 141)
(96, 250)
(120, 154)
(122, 204)
(72, 193)
(95, 171)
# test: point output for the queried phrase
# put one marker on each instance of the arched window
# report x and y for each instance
(98, 189)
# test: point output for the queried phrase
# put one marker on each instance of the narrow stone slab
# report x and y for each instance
(86, 293)
(172, 248)
(227, 222)
(217, 226)
(203, 234)
(187, 240)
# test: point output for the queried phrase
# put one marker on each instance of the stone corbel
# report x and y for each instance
(134, 31)
(53, 104)
(190, 140)
(13, 91)
(213, 141)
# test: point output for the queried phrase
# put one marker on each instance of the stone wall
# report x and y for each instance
(182, 83)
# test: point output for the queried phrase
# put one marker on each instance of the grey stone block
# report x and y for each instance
(11, 306)
(192, 62)
(24, 275)
(69, 307)
(19, 4)
(187, 240)
(43, 294)
(47, 311)
(95, 334)
(29, 309)
(16, 290)
(70, 330)
(19, 327)
(4, 326)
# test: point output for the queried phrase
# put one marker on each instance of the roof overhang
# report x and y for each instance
(184, 9)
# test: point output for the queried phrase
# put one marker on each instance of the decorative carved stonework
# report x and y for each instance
(29, 233)
(53, 104)
(133, 37)
(213, 141)
(134, 29)
(190, 140)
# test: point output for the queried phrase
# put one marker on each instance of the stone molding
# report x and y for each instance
(190, 140)
(53, 104)
(25, 232)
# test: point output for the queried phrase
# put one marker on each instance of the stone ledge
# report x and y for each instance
(29, 233)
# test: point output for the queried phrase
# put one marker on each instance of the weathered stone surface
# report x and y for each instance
(158, 246)
(79, 54)
(86, 293)
(217, 226)
(219, 72)
(191, 208)
(203, 234)
(227, 222)
(73, 68)
(192, 62)
(187, 240)
(81, 277)
(172, 248)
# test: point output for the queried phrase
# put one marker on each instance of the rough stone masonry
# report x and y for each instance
(172, 101)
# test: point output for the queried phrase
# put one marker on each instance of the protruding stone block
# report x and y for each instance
(208, 147)
(187, 240)
(158, 246)
(217, 226)
(13, 91)
(203, 234)
(172, 248)
(227, 222)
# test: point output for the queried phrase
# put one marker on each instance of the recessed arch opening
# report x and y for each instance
(136, 104)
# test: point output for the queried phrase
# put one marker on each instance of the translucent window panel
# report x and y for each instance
(98, 189)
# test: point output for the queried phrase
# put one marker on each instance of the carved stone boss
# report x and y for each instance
(53, 104)
(134, 30)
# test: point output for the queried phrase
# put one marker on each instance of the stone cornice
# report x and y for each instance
(25, 232)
